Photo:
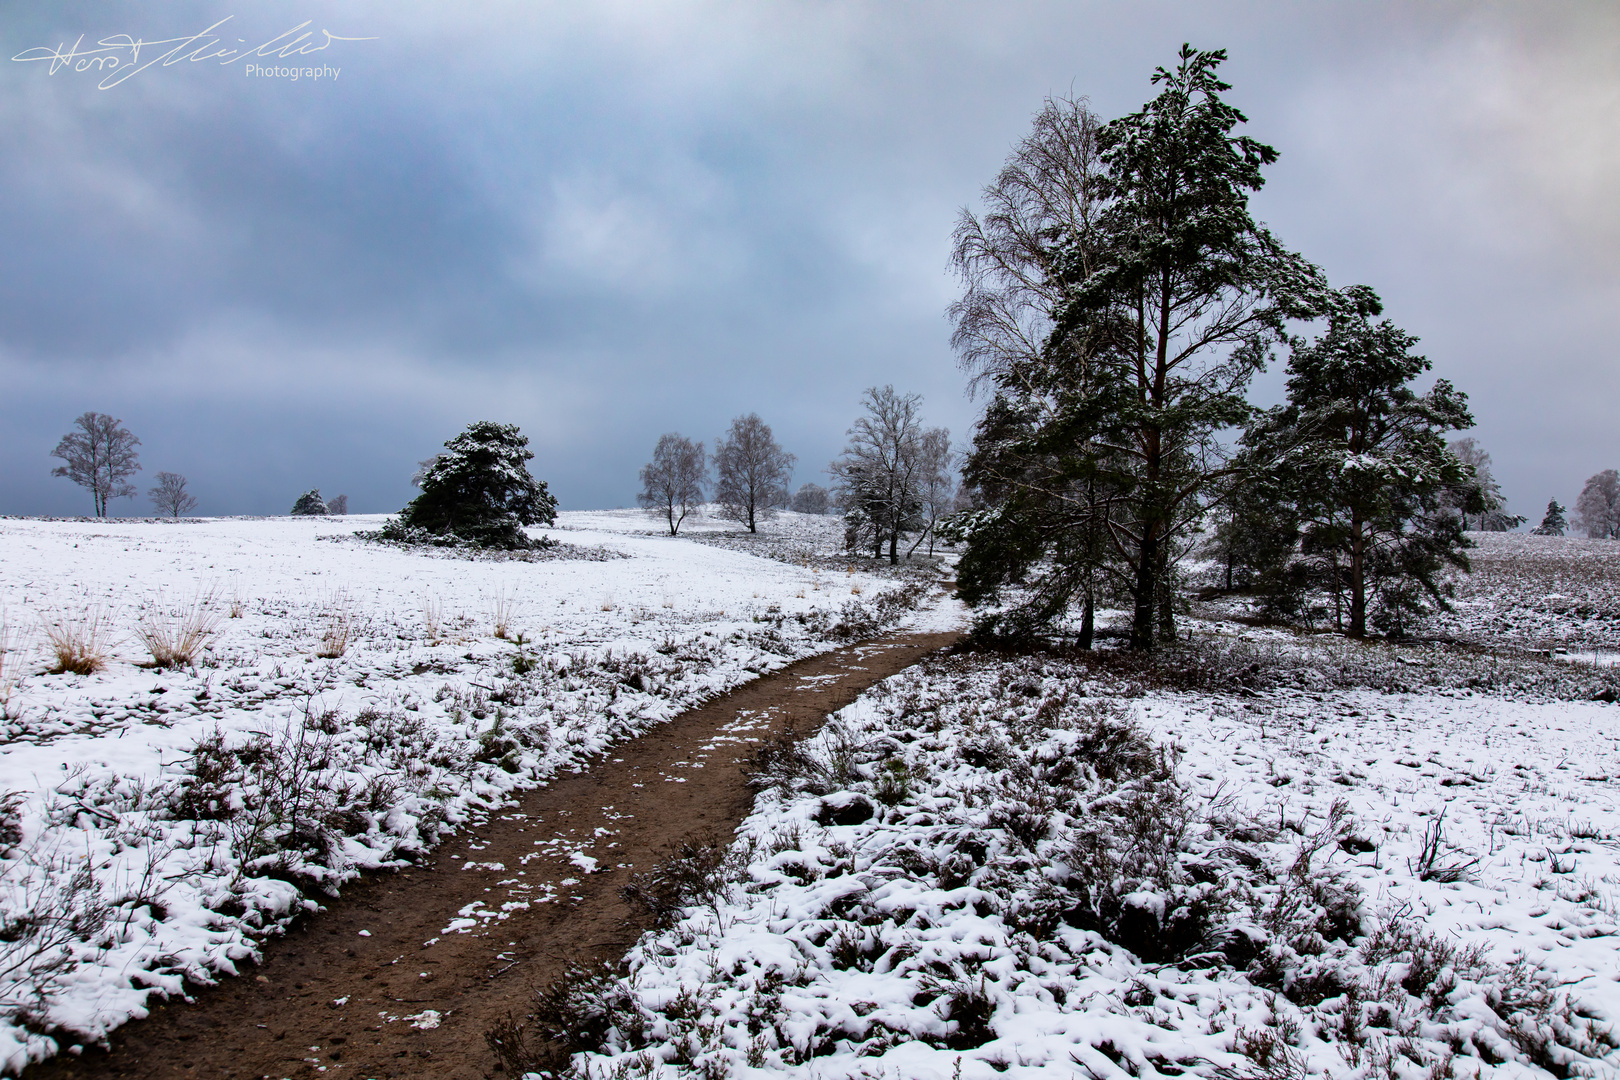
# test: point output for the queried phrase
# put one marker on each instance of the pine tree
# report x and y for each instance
(1552, 523)
(309, 504)
(1364, 459)
(479, 491)
(1161, 297)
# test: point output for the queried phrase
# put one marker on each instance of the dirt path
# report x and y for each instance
(402, 977)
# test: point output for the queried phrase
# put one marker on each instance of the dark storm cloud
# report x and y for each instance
(608, 221)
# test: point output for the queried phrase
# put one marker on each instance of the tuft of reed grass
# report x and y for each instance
(433, 619)
(176, 640)
(339, 629)
(11, 648)
(505, 610)
(77, 640)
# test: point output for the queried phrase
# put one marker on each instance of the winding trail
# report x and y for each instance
(403, 975)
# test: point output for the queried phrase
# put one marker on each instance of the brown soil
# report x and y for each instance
(495, 912)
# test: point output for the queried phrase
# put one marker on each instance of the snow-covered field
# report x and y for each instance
(350, 702)
(1225, 864)
(1540, 592)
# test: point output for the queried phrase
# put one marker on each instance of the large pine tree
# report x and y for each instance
(1165, 296)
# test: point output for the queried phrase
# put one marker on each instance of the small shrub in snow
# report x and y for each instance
(695, 871)
(10, 668)
(53, 920)
(785, 759)
(338, 631)
(578, 1011)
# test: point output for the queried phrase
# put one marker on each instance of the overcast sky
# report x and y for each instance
(605, 221)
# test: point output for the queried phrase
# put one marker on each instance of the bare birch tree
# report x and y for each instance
(936, 483)
(881, 474)
(751, 472)
(810, 499)
(170, 496)
(672, 482)
(1597, 510)
(100, 456)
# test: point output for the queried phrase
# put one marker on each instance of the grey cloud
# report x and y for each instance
(605, 222)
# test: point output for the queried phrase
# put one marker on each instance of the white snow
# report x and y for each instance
(424, 719)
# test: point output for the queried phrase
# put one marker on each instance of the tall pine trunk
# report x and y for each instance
(1167, 604)
(1147, 561)
(1150, 556)
(1358, 580)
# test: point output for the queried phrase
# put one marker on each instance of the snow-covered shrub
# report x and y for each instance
(696, 871)
(784, 759)
(477, 492)
(53, 919)
(309, 504)
(575, 1012)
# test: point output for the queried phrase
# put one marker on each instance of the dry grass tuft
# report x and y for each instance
(11, 648)
(505, 611)
(78, 641)
(175, 641)
(432, 619)
(339, 629)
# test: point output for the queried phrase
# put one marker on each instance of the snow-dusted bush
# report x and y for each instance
(309, 504)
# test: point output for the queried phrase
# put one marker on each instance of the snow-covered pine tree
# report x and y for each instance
(1552, 523)
(309, 504)
(1369, 473)
(478, 491)
(1120, 298)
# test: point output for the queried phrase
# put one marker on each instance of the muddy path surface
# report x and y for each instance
(404, 975)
